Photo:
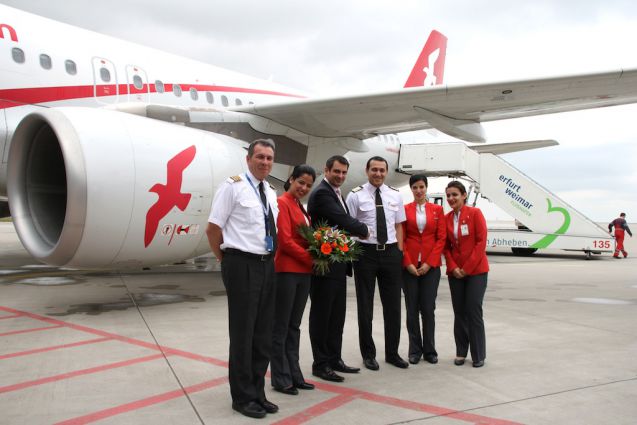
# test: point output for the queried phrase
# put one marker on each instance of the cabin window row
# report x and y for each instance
(105, 75)
(194, 94)
(45, 61)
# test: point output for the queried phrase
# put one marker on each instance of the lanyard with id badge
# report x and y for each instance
(269, 241)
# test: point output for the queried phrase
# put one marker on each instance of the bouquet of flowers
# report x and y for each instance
(329, 245)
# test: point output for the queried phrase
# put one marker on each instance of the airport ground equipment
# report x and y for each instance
(545, 220)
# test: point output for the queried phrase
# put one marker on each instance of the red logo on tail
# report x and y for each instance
(170, 193)
(429, 69)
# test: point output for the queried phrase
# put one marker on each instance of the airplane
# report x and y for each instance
(112, 152)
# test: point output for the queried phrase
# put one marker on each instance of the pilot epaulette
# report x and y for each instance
(356, 189)
(271, 187)
(393, 188)
(234, 179)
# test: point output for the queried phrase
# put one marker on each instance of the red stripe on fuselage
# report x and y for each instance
(10, 98)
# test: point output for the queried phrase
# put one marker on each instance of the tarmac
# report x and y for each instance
(151, 347)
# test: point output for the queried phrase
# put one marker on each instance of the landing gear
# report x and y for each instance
(523, 252)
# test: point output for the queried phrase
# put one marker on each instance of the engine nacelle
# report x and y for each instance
(92, 188)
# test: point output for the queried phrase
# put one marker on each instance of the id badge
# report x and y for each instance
(269, 243)
(464, 229)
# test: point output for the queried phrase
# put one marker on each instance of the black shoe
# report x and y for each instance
(340, 366)
(397, 361)
(327, 374)
(431, 358)
(268, 406)
(371, 364)
(304, 386)
(289, 390)
(414, 358)
(479, 363)
(458, 362)
(251, 409)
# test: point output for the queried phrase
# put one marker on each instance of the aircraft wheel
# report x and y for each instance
(523, 252)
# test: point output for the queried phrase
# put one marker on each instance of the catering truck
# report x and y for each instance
(543, 219)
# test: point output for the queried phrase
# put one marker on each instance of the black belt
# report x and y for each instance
(378, 247)
(260, 257)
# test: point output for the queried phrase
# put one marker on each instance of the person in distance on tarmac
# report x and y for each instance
(467, 270)
(621, 227)
(424, 238)
(293, 267)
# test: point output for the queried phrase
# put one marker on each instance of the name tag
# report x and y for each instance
(464, 229)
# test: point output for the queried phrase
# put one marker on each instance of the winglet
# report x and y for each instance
(429, 69)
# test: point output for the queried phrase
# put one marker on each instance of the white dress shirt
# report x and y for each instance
(362, 206)
(238, 210)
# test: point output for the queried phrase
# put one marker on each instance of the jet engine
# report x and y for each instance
(92, 188)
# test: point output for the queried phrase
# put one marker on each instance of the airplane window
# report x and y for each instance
(17, 54)
(45, 61)
(251, 103)
(137, 82)
(238, 102)
(177, 90)
(193, 93)
(70, 66)
(224, 100)
(105, 75)
(209, 97)
(159, 86)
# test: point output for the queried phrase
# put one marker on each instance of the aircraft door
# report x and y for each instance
(106, 90)
(138, 87)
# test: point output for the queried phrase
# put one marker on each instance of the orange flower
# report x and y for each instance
(344, 248)
(334, 244)
(326, 248)
(317, 236)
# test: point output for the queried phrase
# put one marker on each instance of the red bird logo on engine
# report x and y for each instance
(170, 193)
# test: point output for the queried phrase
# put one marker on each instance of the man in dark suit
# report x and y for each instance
(328, 292)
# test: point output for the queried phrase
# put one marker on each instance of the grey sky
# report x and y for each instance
(337, 47)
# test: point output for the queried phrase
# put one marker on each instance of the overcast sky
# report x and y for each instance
(337, 47)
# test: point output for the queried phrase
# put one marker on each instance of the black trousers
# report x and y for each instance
(467, 295)
(420, 302)
(292, 290)
(327, 316)
(387, 268)
(250, 287)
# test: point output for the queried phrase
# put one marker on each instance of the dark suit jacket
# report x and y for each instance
(324, 205)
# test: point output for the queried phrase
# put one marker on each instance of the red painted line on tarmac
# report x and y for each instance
(81, 372)
(345, 394)
(53, 347)
(13, 316)
(140, 343)
(436, 410)
(24, 331)
(145, 402)
(316, 410)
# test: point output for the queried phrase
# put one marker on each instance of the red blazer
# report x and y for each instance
(291, 255)
(469, 251)
(430, 242)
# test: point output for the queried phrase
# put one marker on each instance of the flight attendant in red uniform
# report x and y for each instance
(467, 269)
(424, 236)
(293, 266)
(620, 228)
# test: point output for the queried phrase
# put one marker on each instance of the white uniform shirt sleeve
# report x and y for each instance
(222, 205)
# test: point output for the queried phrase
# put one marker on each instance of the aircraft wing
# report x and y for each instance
(457, 111)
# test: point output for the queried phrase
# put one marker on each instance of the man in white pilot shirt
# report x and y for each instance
(242, 235)
(381, 259)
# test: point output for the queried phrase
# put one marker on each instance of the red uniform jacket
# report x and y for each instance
(430, 242)
(291, 255)
(468, 252)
